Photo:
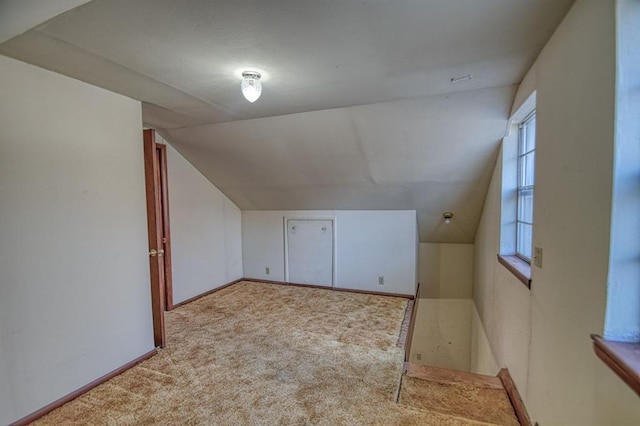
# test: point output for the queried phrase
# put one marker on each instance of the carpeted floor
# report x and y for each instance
(264, 354)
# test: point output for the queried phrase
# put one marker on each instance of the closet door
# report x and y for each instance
(310, 251)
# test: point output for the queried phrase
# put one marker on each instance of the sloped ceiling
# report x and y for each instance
(430, 154)
(358, 110)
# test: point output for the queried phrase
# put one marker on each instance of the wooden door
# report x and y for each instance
(161, 152)
(153, 181)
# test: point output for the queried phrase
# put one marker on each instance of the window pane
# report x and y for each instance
(530, 134)
(526, 177)
(525, 205)
(527, 170)
(524, 240)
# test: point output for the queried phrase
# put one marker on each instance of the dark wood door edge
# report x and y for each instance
(621, 357)
(514, 397)
(166, 225)
(84, 389)
(184, 302)
(350, 290)
(154, 218)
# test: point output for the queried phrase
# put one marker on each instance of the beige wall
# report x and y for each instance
(500, 332)
(446, 270)
(74, 297)
(442, 332)
(206, 231)
(565, 383)
(482, 359)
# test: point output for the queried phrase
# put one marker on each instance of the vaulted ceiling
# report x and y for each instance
(358, 110)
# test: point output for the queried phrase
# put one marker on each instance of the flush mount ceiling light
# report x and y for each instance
(251, 86)
(447, 217)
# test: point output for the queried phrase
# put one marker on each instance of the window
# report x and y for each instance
(516, 208)
(526, 171)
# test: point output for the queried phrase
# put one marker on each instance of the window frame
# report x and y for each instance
(522, 126)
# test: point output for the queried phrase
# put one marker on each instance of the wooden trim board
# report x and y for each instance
(412, 323)
(350, 290)
(184, 302)
(86, 388)
(621, 357)
(375, 293)
(309, 285)
(514, 397)
(518, 267)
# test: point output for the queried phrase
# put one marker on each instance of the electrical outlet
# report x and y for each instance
(266, 270)
(419, 356)
(537, 256)
(381, 280)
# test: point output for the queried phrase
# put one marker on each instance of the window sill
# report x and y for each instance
(623, 358)
(518, 267)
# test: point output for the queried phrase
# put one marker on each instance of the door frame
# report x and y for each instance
(334, 262)
(157, 213)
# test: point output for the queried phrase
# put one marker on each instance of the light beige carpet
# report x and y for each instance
(459, 399)
(264, 354)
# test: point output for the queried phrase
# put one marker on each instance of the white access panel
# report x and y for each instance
(310, 251)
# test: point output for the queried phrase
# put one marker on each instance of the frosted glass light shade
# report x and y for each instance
(251, 86)
(447, 217)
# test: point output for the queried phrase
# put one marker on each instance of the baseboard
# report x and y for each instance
(349, 290)
(84, 389)
(514, 397)
(376, 293)
(412, 323)
(309, 285)
(184, 302)
(255, 280)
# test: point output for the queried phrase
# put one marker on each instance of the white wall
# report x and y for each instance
(75, 300)
(565, 382)
(205, 231)
(368, 244)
